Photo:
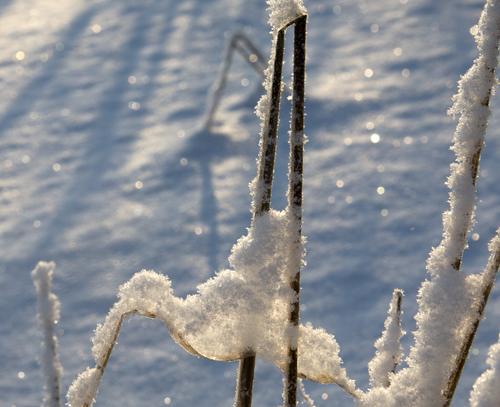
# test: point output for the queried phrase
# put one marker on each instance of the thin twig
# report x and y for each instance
(103, 363)
(307, 398)
(270, 133)
(398, 293)
(473, 161)
(265, 175)
(489, 276)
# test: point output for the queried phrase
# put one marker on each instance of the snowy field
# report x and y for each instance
(104, 170)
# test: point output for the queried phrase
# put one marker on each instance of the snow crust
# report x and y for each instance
(48, 315)
(389, 350)
(282, 12)
(240, 309)
(486, 390)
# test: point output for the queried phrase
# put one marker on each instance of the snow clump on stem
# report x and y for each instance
(240, 309)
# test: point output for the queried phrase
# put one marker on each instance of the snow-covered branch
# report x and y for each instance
(48, 315)
(486, 390)
(389, 351)
(446, 301)
(487, 280)
(471, 106)
(252, 309)
(239, 309)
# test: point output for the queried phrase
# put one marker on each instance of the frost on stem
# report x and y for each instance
(471, 106)
(239, 309)
(83, 390)
(48, 315)
(281, 13)
(486, 280)
(486, 390)
(389, 351)
(307, 398)
(447, 301)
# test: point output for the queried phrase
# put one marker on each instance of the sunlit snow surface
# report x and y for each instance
(104, 170)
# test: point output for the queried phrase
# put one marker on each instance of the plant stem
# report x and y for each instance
(487, 62)
(473, 161)
(295, 203)
(488, 281)
(270, 132)
(265, 175)
(245, 381)
(474, 168)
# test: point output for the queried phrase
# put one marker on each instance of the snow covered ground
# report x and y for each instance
(104, 170)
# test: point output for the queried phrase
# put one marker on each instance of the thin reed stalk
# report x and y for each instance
(265, 173)
(295, 203)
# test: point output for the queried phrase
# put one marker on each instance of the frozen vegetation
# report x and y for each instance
(486, 391)
(448, 301)
(245, 308)
(48, 316)
(389, 350)
(107, 170)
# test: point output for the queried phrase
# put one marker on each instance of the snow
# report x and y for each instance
(67, 103)
(83, 391)
(488, 276)
(389, 351)
(446, 301)
(283, 12)
(242, 308)
(471, 105)
(486, 390)
(48, 316)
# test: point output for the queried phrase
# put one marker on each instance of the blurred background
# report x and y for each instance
(105, 168)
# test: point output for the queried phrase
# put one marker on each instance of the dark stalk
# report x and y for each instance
(265, 175)
(270, 133)
(295, 202)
